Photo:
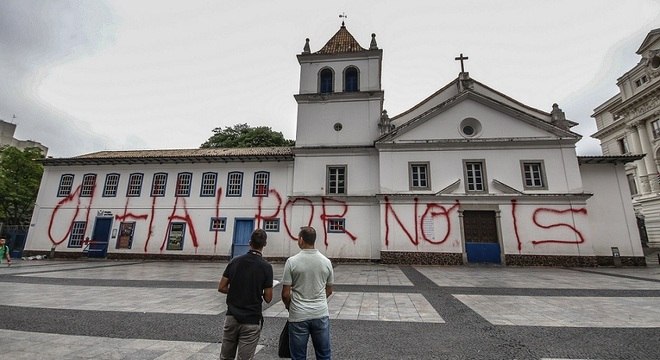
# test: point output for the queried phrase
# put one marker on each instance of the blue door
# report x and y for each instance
(481, 241)
(98, 247)
(242, 231)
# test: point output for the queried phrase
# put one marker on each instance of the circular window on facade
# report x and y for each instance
(470, 127)
(338, 126)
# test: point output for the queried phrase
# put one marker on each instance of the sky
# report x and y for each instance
(86, 76)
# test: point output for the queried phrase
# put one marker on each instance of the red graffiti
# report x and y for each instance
(217, 215)
(444, 212)
(514, 203)
(325, 218)
(186, 218)
(432, 209)
(129, 215)
(577, 232)
(388, 209)
(259, 215)
(68, 199)
(289, 204)
(536, 214)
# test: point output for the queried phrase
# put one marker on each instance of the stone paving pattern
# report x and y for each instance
(171, 310)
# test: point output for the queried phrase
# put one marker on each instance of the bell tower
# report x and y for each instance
(340, 98)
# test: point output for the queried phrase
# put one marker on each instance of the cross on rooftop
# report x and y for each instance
(461, 58)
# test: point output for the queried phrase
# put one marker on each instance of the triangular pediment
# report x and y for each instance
(651, 42)
(488, 118)
(442, 116)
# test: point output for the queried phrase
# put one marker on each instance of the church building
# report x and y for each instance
(468, 175)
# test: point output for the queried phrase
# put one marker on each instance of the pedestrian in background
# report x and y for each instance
(4, 252)
(247, 280)
(306, 286)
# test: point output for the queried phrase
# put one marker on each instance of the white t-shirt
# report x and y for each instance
(308, 273)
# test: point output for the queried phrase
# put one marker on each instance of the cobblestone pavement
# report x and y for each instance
(171, 310)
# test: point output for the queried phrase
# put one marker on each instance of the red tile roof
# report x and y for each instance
(341, 42)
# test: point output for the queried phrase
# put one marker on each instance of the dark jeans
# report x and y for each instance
(299, 333)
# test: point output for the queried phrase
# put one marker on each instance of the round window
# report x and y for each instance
(338, 126)
(470, 127)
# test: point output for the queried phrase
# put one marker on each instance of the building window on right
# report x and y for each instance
(336, 180)
(656, 128)
(631, 184)
(533, 173)
(475, 176)
(419, 176)
(623, 145)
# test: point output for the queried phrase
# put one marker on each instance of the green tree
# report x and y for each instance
(244, 136)
(20, 176)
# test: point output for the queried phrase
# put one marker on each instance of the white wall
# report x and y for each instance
(611, 214)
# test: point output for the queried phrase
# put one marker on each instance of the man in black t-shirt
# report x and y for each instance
(247, 280)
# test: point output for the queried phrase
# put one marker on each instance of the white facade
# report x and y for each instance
(467, 175)
(629, 123)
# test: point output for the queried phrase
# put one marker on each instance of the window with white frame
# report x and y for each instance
(419, 176)
(183, 182)
(336, 225)
(159, 184)
(261, 179)
(209, 181)
(336, 180)
(218, 224)
(88, 184)
(77, 234)
(475, 176)
(111, 185)
(66, 183)
(533, 172)
(234, 183)
(134, 185)
(272, 225)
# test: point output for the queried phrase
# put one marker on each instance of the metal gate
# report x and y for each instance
(481, 241)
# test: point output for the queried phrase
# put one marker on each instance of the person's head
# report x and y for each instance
(307, 235)
(258, 239)
(2, 241)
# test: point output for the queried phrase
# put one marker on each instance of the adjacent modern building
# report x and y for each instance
(629, 123)
(7, 131)
(468, 175)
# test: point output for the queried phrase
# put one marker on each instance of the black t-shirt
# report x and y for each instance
(248, 276)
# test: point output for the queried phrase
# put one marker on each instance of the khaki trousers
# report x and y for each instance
(239, 341)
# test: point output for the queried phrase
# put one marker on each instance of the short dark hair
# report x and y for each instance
(308, 234)
(258, 238)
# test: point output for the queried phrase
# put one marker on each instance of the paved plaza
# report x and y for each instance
(82, 309)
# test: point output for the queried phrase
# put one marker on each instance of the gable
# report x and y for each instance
(490, 121)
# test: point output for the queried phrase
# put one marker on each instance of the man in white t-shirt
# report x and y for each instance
(306, 285)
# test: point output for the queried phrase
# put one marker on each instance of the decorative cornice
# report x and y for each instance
(339, 96)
